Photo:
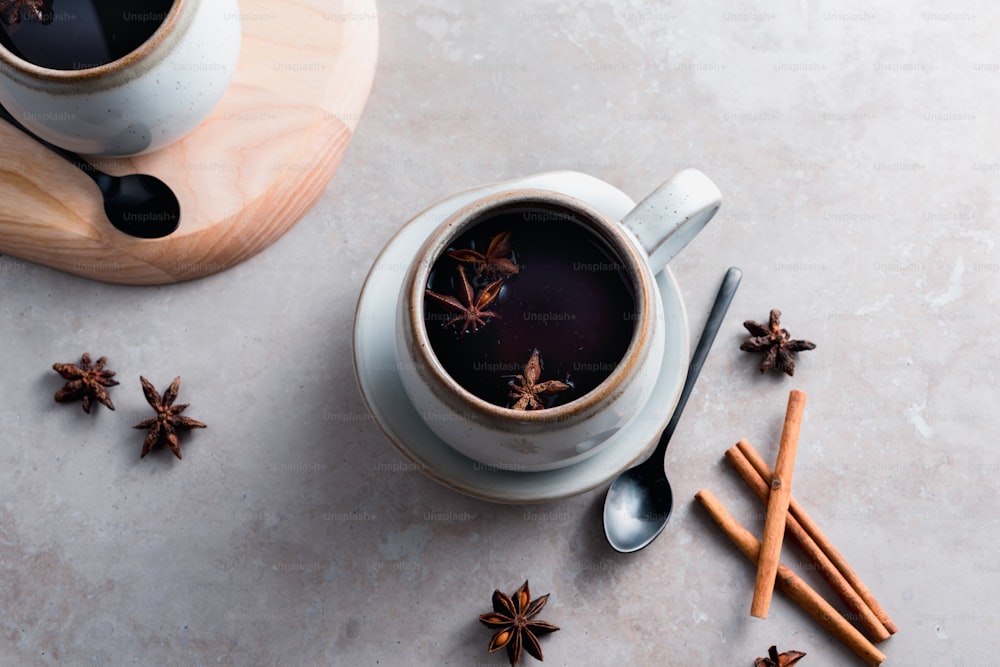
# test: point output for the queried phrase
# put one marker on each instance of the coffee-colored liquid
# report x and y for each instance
(80, 34)
(571, 300)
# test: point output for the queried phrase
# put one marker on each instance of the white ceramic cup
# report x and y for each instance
(649, 237)
(141, 102)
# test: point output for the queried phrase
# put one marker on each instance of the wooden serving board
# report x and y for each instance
(243, 178)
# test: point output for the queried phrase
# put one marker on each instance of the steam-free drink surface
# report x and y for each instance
(80, 34)
(571, 300)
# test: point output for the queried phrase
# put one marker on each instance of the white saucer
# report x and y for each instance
(375, 363)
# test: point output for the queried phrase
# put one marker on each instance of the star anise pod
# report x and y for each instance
(776, 344)
(14, 10)
(525, 389)
(163, 427)
(87, 382)
(511, 618)
(775, 659)
(496, 263)
(469, 306)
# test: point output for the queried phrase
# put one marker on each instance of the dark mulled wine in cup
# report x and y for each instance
(529, 308)
(116, 77)
(78, 34)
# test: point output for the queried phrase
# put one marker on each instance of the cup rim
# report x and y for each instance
(612, 232)
(114, 67)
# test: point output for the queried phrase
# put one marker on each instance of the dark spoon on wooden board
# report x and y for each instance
(139, 205)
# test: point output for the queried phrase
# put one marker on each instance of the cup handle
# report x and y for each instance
(673, 214)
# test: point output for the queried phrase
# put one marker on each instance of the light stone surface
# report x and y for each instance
(856, 147)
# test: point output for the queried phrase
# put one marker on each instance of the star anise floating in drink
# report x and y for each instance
(526, 391)
(776, 344)
(469, 311)
(469, 306)
(13, 11)
(87, 382)
(496, 263)
(512, 618)
(775, 659)
(163, 427)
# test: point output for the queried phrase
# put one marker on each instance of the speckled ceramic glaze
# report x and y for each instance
(139, 103)
(649, 236)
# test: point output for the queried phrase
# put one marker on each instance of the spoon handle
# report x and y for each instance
(75, 159)
(722, 300)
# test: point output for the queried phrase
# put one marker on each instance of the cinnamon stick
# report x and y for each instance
(799, 591)
(868, 620)
(813, 530)
(777, 505)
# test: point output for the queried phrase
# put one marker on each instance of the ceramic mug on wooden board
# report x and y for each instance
(80, 93)
(506, 299)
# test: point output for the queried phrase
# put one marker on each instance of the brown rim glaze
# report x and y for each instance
(144, 51)
(610, 231)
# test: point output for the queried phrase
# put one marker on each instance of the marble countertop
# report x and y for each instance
(856, 149)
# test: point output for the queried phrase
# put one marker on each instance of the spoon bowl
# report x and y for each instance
(637, 508)
(639, 502)
(139, 205)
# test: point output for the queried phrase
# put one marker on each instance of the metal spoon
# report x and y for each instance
(138, 204)
(639, 501)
